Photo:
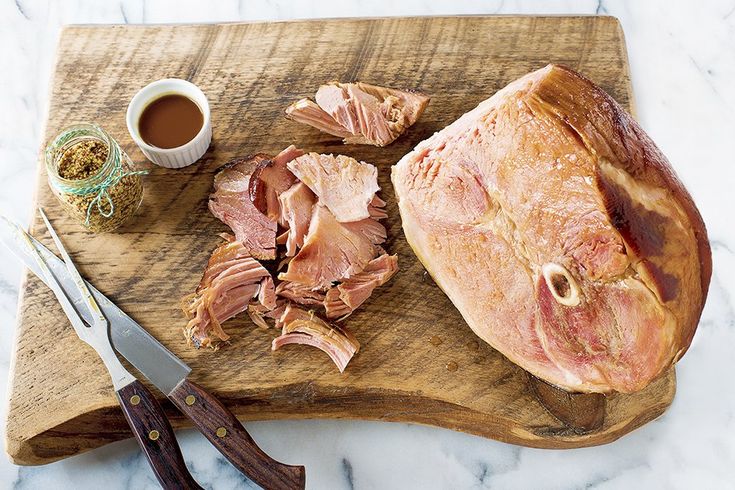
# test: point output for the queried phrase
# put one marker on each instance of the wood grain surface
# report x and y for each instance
(61, 401)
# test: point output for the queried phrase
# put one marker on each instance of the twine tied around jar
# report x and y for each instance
(113, 178)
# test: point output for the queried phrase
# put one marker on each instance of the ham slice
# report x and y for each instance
(377, 208)
(308, 112)
(344, 185)
(560, 232)
(304, 327)
(296, 207)
(346, 297)
(246, 198)
(333, 251)
(299, 293)
(270, 179)
(231, 204)
(230, 282)
(360, 113)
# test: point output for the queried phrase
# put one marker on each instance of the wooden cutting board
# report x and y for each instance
(61, 399)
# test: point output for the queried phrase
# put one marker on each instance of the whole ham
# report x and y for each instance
(560, 232)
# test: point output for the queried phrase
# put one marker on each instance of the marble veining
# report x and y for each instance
(683, 69)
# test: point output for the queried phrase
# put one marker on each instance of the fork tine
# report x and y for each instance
(89, 300)
(52, 282)
(26, 242)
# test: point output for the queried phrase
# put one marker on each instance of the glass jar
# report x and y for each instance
(107, 197)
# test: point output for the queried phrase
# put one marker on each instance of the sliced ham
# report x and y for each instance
(377, 208)
(277, 312)
(267, 293)
(205, 317)
(222, 257)
(257, 316)
(231, 203)
(308, 112)
(297, 204)
(304, 327)
(231, 281)
(344, 185)
(246, 198)
(333, 251)
(270, 179)
(346, 297)
(299, 293)
(360, 113)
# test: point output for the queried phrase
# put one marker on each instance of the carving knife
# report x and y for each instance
(168, 373)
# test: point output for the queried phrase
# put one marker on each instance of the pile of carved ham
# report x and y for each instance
(315, 219)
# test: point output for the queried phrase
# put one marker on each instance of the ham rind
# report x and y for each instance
(231, 204)
(229, 284)
(304, 327)
(344, 185)
(296, 207)
(333, 251)
(349, 295)
(360, 113)
(560, 233)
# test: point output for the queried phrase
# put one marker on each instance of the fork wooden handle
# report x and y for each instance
(227, 434)
(155, 436)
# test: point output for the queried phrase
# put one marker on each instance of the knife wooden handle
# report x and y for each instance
(227, 434)
(155, 436)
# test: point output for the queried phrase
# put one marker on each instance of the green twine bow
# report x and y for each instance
(101, 189)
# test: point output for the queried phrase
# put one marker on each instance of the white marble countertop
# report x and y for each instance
(682, 57)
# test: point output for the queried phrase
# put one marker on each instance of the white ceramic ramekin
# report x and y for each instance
(180, 156)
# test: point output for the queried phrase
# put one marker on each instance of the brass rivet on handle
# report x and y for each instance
(221, 432)
(135, 399)
(153, 435)
(190, 400)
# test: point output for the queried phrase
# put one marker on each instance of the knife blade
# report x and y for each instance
(169, 374)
